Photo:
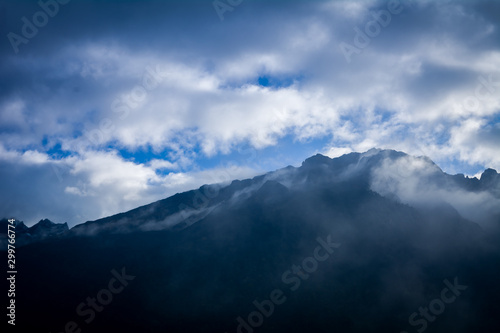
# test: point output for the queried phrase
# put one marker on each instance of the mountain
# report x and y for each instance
(383, 171)
(43, 230)
(378, 241)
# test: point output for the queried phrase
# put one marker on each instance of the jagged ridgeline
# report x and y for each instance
(44, 229)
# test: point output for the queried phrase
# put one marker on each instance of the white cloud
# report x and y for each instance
(417, 181)
(477, 142)
(336, 152)
(94, 185)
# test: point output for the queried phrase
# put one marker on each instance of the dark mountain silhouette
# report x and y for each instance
(43, 230)
(335, 245)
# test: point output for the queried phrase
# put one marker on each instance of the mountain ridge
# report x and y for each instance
(358, 168)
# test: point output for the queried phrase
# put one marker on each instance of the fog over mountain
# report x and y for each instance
(379, 241)
(416, 181)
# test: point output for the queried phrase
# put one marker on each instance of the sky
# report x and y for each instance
(109, 105)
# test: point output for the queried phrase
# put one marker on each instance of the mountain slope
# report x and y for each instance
(386, 172)
(328, 251)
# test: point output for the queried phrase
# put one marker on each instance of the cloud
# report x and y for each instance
(336, 152)
(173, 79)
(97, 184)
(417, 181)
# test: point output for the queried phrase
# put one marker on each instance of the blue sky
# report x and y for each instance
(109, 105)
